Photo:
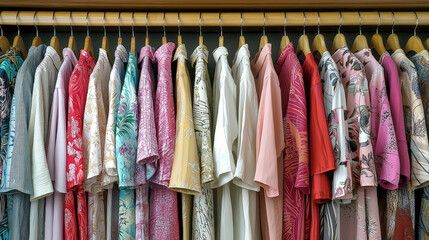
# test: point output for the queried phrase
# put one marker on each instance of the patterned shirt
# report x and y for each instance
(296, 186)
(383, 136)
(203, 206)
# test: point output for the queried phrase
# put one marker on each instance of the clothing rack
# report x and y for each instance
(211, 19)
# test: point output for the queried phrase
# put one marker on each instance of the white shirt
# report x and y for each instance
(43, 90)
(245, 199)
(225, 136)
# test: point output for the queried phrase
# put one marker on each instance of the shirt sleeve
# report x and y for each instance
(270, 141)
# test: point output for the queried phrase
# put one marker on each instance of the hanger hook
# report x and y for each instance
(34, 22)
(132, 25)
(360, 24)
(393, 21)
(147, 22)
(376, 30)
(17, 25)
(1, 29)
(178, 22)
(163, 23)
(263, 29)
(417, 23)
(53, 23)
(119, 25)
(201, 33)
(341, 23)
(303, 32)
(318, 23)
(241, 24)
(87, 26)
(71, 27)
(104, 23)
(220, 24)
(284, 24)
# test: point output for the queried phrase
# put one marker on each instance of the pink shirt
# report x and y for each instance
(57, 146)
(383, 135)
(269, 144)
(393, 86)
(296, 186)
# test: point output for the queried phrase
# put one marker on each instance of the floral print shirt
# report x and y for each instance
(78, 88)
(94, 123)
(126, 127)
(361, 216)
(336, 110)
(383, 136)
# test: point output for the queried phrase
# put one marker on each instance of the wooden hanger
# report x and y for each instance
(119, 29)
(36, 40)
(55, 41)
(426, 44)
(18, 42)
(200, 38)
(72, 41)
(88, 41)
(340, 39)
(164, 37)
(376, 42)
(4, 43)
(105, 41)
(303, 43)
(221, 32)
(241, 40)
(414, 44)
(285, 39)
(360, 41)
(392, 43)
(319, 45)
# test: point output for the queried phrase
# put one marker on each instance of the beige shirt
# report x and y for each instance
(94, 122)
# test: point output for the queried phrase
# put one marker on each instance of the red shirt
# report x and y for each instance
(322, 159)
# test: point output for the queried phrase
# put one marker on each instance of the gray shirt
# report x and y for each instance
(17, 167)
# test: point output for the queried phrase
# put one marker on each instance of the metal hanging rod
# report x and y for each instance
(211, 19)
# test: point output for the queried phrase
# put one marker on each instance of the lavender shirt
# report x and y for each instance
(393, 86)
(383, 135)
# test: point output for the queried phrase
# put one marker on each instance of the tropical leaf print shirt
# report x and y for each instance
(296, 187)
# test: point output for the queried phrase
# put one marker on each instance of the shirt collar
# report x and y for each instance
(147, 51)
(121, 53)
(68, 53)
(85, 56)
(282, 58)
(218, 52)
(340, 52)
(259, 62)
(200, 52)
(239, 56)
(180, 52)
(165, 51)
(53, 55)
